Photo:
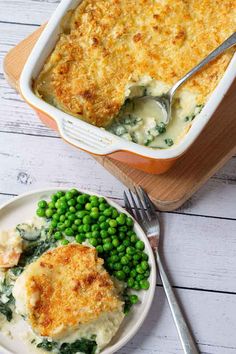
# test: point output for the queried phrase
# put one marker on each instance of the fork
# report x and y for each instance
(147, 217)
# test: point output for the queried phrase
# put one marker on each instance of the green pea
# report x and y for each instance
(107, 212)
(56, 217)
(144, 265)
(69, 231)
(99, 249)
(61, 226)
(88, 235)
(72, 217)
(60, 194)
(122, 235)
(42, 204)
(114, 258)
(95, 227)
(136, 286)
(80, 214)
(111, 230)
(129, 222)
(129, 257)
(86, 227)
(71, 202)
(120, 275)
(126, 242)
(94, 203)
(104, 225)
(120, 220)
(107, 247)
(130, 250)
(87, 219)
(146, 274)
(140, 245)
(136, 256)
(133, 238)
(117, 266)
(115, 213)
(88, 206)
(93, 242)
(139, 269)
(54, 198)
(81, 228)
(133, 299)
(123, 228)
(106, 240)
(94, 215)
(115, 242)
(113, 223)
(114, 252)
(144, 256)
(103, 206)
(130, 282)
(140, 277)
(77, 222)
(64, 242)
(61, 211)
(72, 209)
(62, 218)
(68, 195)
(126, 269)
(67, 223)
(133, 273)
(57, 204)
(40, 212)
(58, 235)
(79, 207)
(54, 223)
(101, 218)
(144, 284)
(81, 199)
(95, 233)
(74, 227)
(121, 248)
(74, 192)
(124, 260)
(103, 233)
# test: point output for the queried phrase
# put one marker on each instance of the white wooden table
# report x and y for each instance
(199, 245)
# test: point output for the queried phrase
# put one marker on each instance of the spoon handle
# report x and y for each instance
(228, 43)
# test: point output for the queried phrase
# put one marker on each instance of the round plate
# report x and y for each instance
(22, 209)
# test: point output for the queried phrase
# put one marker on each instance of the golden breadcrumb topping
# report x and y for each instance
(66, 287)
(108, 44)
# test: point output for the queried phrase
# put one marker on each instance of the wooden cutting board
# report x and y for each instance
(214, 147)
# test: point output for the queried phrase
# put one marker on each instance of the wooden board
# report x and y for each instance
(215, 146)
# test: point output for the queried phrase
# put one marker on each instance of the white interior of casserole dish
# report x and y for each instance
(110, 142)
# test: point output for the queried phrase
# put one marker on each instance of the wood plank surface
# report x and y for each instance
(199, 245)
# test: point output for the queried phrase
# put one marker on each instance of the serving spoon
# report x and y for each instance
(163, 103)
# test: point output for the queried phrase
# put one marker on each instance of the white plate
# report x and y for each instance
(22, 209)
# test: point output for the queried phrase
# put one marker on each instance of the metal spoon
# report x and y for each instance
(164, 101)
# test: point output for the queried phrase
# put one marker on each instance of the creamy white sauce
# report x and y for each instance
(141, 121)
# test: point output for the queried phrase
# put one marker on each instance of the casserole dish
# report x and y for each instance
(98, 141)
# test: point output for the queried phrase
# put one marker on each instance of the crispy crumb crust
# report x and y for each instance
(107, 44)
(66, 287)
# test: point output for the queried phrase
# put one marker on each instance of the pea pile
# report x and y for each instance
(78, 217)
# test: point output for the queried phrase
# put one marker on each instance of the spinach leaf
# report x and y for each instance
(16, 271)
(34, 250)
(6, 311)
(83, 345)
(49, 346)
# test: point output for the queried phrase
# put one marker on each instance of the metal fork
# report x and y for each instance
(147, 217)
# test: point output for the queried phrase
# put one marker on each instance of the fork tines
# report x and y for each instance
(143, 208)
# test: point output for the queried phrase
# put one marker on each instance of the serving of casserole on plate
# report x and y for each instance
(74, 277)
(94, 55)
